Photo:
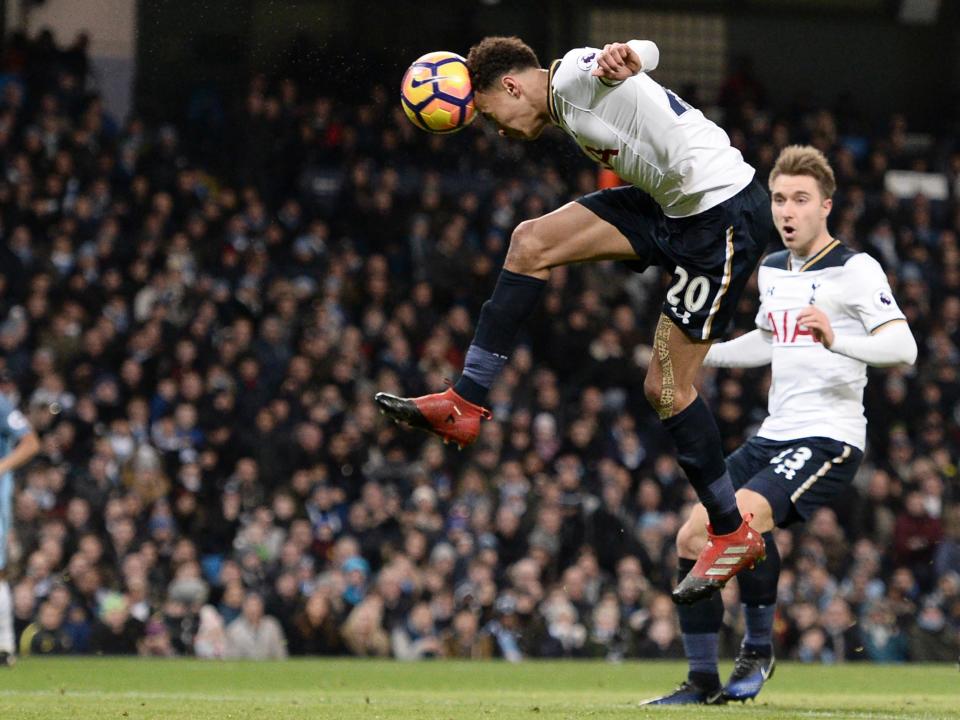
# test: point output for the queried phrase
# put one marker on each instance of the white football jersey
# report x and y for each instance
(815, 392)
(647, 135)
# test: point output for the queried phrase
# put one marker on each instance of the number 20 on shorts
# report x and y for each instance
(695, 292)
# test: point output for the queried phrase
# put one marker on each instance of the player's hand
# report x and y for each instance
(617, 61)
(816, 321)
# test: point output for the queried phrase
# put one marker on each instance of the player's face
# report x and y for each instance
(800, 212)
(509, 107)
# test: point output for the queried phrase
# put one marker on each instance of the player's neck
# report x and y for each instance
(543, 88)
(811, 250)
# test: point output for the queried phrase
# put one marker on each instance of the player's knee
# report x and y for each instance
(665, 396)
(526, 252)
(752, 502)
(651, 389)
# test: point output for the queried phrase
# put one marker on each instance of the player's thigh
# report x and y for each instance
(567, 235)
(673, 368)
(613, 224)
(636, 216)
(804, 475)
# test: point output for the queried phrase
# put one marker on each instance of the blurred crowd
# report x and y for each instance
(199, 354)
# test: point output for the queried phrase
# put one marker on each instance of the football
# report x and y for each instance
(436, 93)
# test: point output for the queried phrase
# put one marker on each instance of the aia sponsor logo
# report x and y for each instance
(787, 331)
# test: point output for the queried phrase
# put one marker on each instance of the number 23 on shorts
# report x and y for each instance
(788, 466)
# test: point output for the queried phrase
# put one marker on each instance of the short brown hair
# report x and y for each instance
(493, 57)
(805, 160)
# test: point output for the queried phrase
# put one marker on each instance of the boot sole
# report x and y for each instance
(402, 410)
(695, 593)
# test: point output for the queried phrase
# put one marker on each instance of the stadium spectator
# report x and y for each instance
(156, 640)
(210, 641)
(47, 635)
(842, 632)
(115, 632)
(915, 536)
(416, 638)
(254, 635)
(883, 639)
(362, 630)
(464, 640)
(930, 639)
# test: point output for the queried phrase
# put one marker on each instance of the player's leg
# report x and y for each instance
(700, 625)
(573, 233)
(568, 235)
(715, 253)
(800, 477)
(6, 603)
(755, 662)
(701, 621)
(669, 388)
(758, 586)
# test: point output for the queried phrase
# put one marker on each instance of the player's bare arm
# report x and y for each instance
(28, 446)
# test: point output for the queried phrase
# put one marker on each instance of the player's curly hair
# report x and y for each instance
(805, 160)
(493, 57)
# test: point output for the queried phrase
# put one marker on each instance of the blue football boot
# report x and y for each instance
(750, 671)
(689, 693)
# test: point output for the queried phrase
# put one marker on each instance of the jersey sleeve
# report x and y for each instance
(574, 80)
(762, 320)
(13, 422)
(871, 297)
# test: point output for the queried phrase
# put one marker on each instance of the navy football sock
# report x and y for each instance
(700, 624)
(514, 299)
(700, 454)
(758, 592)
(759, 635)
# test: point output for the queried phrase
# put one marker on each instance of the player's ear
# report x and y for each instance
(511, 85)
(827, 206)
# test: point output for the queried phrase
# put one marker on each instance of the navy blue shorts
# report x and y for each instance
(795, 476)
(711, 254)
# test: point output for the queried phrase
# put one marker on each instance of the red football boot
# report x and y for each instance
(445, 414)
(722, 558)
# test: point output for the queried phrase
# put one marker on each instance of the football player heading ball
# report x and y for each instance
(693, 206)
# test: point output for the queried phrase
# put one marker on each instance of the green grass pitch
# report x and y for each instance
(347, 689)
